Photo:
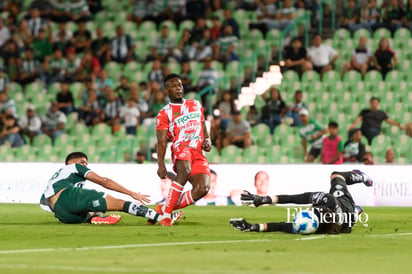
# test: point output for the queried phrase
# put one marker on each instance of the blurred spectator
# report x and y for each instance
(22, 36)
(311, 132)
(130, 115)
(103, 81)
(157, 12)
(226, 107)
(5, 33)
(60, 11)
(73, 65)
(10, 132)
(122, 47)
(274, 110)
(90, 111)
(100, 46)
(89, 67)
(350, 16)
(249, 5)
(407, 16)
(208, 76)
(372, 119)
(35, 22)
(361, 57)
(65, 99)
(238, 132)
(197, 32)
(354, 149)
(4, 82)
(10, 51)
(141, 103)
(391, 16)
(13, 70)
(122, 89)
(163, 46)
(95, 6)
(42, 45)
(7, 105)
(29, 68)
(79, 11)
(368, 158)
(216, 28)
(176, 10)
(202, 49)
(183, 48)
(141, 159)
(30, 123)
(266, 14)
(186, 76)
(384, 59)
(62, 37)
(196, 9)
(252, 116)
(217, 132)
(310, 5)
(158, 104)
(296, 106)
(321, 55)
(225, 47)
(53, 122)
(390, 156)
(332, 148)
(370, 16)
(110, 113)
(230, 21)
(140, 11)
(156, 74)
(284, 16)
(54, 67)
(262, 183)
(296, 57)
(82, 38)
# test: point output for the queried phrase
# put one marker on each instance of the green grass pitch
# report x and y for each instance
(32, 241)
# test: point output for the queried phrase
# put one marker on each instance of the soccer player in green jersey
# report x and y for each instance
(71, 203)
(312, 133)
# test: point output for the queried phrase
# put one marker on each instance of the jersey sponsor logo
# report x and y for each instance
(185, 118)
(96, 203)
(176, 114)
(182, 155)
(190, 136)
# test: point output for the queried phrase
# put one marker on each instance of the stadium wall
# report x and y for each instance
(24, 182)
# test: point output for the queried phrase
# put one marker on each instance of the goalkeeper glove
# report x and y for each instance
(248, 198)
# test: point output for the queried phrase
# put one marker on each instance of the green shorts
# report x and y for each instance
(75, 204)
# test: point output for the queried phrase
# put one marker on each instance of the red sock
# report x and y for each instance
(185, 200)
(174, 194)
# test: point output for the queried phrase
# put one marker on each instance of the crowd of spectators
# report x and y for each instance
(39, 46)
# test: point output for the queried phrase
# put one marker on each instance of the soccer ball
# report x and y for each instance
(305, 222)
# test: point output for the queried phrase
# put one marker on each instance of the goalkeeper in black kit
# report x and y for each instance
(336, 210)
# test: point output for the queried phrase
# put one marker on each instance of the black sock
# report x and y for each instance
(281, 226)
(305, 198)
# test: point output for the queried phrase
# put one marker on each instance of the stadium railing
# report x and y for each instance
(332, 4)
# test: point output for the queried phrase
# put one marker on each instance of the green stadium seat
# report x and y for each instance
(381, 143)
(341, 35)
(114, 70)
(259, 133)
(14, 87)
(290, 76)
(352, 76)
(230, 154)
(186, 24)
(272, 40)
(79, 128)
(101, 129)
(41, 140)
(372, 77)
(393, 77)
(130, 68)
(330, 77)
(381, 33)
(64, 140)
(401, 36)
(361, 32)
(310, 76)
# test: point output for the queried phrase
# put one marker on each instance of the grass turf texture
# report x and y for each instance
(385, 246)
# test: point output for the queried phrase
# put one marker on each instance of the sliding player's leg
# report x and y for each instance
(243, 225)
(354, 177)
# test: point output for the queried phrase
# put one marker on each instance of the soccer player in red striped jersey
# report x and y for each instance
(183, 122)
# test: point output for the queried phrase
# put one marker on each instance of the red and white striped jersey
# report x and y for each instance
(183, 122)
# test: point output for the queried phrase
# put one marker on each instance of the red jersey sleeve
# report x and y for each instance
(162, 120)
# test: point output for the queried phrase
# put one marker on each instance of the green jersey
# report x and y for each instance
(70, 175)
(306, 132)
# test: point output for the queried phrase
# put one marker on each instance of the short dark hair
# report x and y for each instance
(333, 124)
(171, 76)
(375, 98)
(75, 155)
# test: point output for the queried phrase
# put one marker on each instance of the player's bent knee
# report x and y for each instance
(336, 174)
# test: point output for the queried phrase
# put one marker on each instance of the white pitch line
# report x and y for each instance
(130, 246)
(309, 238)
(116, 270)
(391, 234)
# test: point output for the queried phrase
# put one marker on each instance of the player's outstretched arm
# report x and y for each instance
(161, 152)
(112, 185)
(206, 145)
(248, 198)
(242, 225)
